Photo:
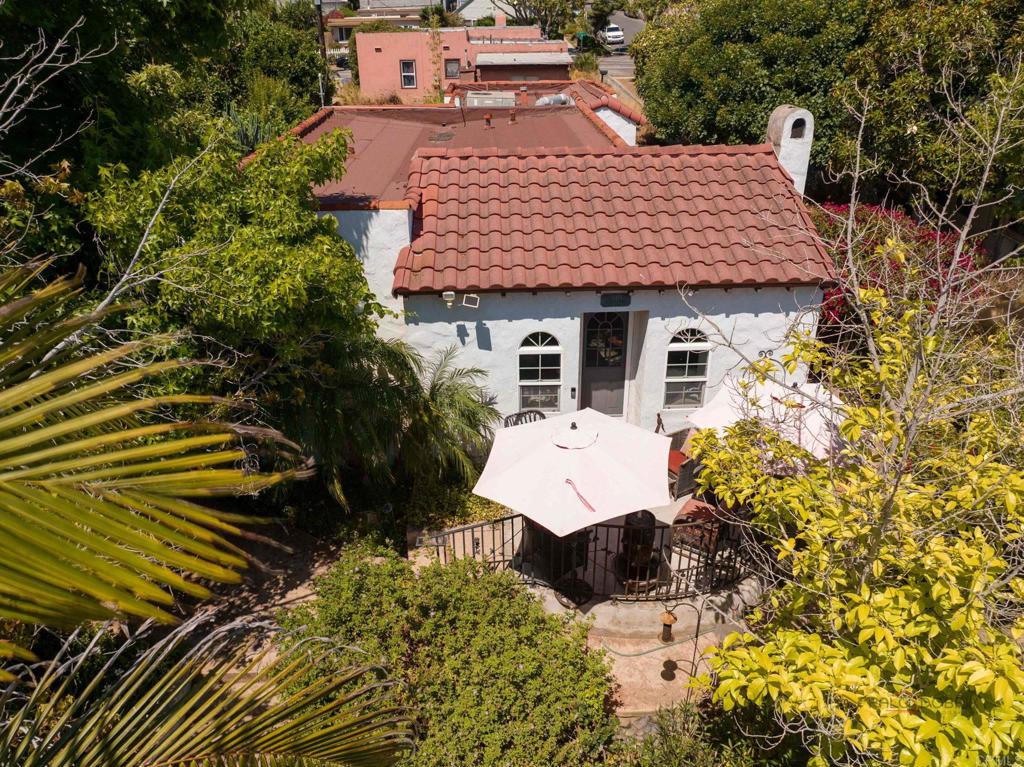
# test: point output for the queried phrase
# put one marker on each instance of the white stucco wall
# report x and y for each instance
(625, 128)
(377, 236)
(751, 320)
(477, 9)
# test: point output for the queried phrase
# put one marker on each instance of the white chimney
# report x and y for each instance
(791, 132)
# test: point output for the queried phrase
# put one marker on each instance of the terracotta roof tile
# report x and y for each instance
(598, 218)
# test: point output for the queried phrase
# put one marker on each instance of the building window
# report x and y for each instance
(451, 69)
(686, 371)
(408, 70)
(540, 372)
(605, 341)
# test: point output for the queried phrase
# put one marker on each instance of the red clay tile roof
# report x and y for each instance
(384, 139)
(625, 218)
(615, 105)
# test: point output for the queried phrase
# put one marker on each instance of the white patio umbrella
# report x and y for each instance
(576, 470)
(807, 414)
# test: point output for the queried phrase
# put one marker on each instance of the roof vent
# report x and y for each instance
(555, 99)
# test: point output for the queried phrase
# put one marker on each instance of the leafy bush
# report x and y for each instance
(924, 255)
(485, 21)
(493, 678)
(438, 504)
(585, 62)
(694, 735)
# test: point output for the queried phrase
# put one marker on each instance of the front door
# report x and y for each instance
(603, 382)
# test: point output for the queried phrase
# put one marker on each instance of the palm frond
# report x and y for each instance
(220, 703)
(93, 477)
(454, 421)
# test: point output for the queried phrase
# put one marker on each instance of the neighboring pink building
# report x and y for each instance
(406, 63)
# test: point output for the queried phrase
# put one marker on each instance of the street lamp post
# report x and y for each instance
(320, 27)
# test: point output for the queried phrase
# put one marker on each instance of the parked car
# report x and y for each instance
(612, 35)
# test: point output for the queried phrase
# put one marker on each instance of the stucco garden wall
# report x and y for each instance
(754, 320)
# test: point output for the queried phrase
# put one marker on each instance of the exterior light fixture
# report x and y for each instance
(668, 618)
(448, 297)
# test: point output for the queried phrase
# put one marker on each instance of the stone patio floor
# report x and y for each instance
(650, 673)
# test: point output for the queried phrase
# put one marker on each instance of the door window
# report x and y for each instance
(605, 340)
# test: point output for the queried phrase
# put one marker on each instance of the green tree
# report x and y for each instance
(129, 76)
(495, 679)
(99, 518)
(393, 419)
(436, 15)
(451, 425)
(892, 633)
(93, 500)
(553, 16)
(600, 11)
(236, 253)
(922, 66)
(208, 701)
(713, 73)
(237, 260)
(116, 39)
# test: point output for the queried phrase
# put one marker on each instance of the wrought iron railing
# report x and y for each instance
(617, 561)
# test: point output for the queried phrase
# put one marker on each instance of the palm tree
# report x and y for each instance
(453, 421)
(98, 519)
(96, 483)
(219, 702)
(386, 413)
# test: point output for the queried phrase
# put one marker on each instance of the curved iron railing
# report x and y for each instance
(614, 561)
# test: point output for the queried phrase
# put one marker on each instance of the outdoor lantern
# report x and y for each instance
(667, 619)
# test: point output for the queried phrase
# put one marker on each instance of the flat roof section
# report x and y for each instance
(385, 138)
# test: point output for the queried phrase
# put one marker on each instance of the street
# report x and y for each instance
(620, 65)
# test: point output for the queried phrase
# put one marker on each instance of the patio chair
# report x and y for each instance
(680, 465)
(525, 416)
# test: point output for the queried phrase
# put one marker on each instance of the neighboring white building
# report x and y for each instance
(626, 279)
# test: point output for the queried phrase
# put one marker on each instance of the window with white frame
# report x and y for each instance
(686, 370)
(408, 70)
(540, 372)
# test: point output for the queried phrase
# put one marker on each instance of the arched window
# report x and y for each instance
(540, 372)
(686, 370)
